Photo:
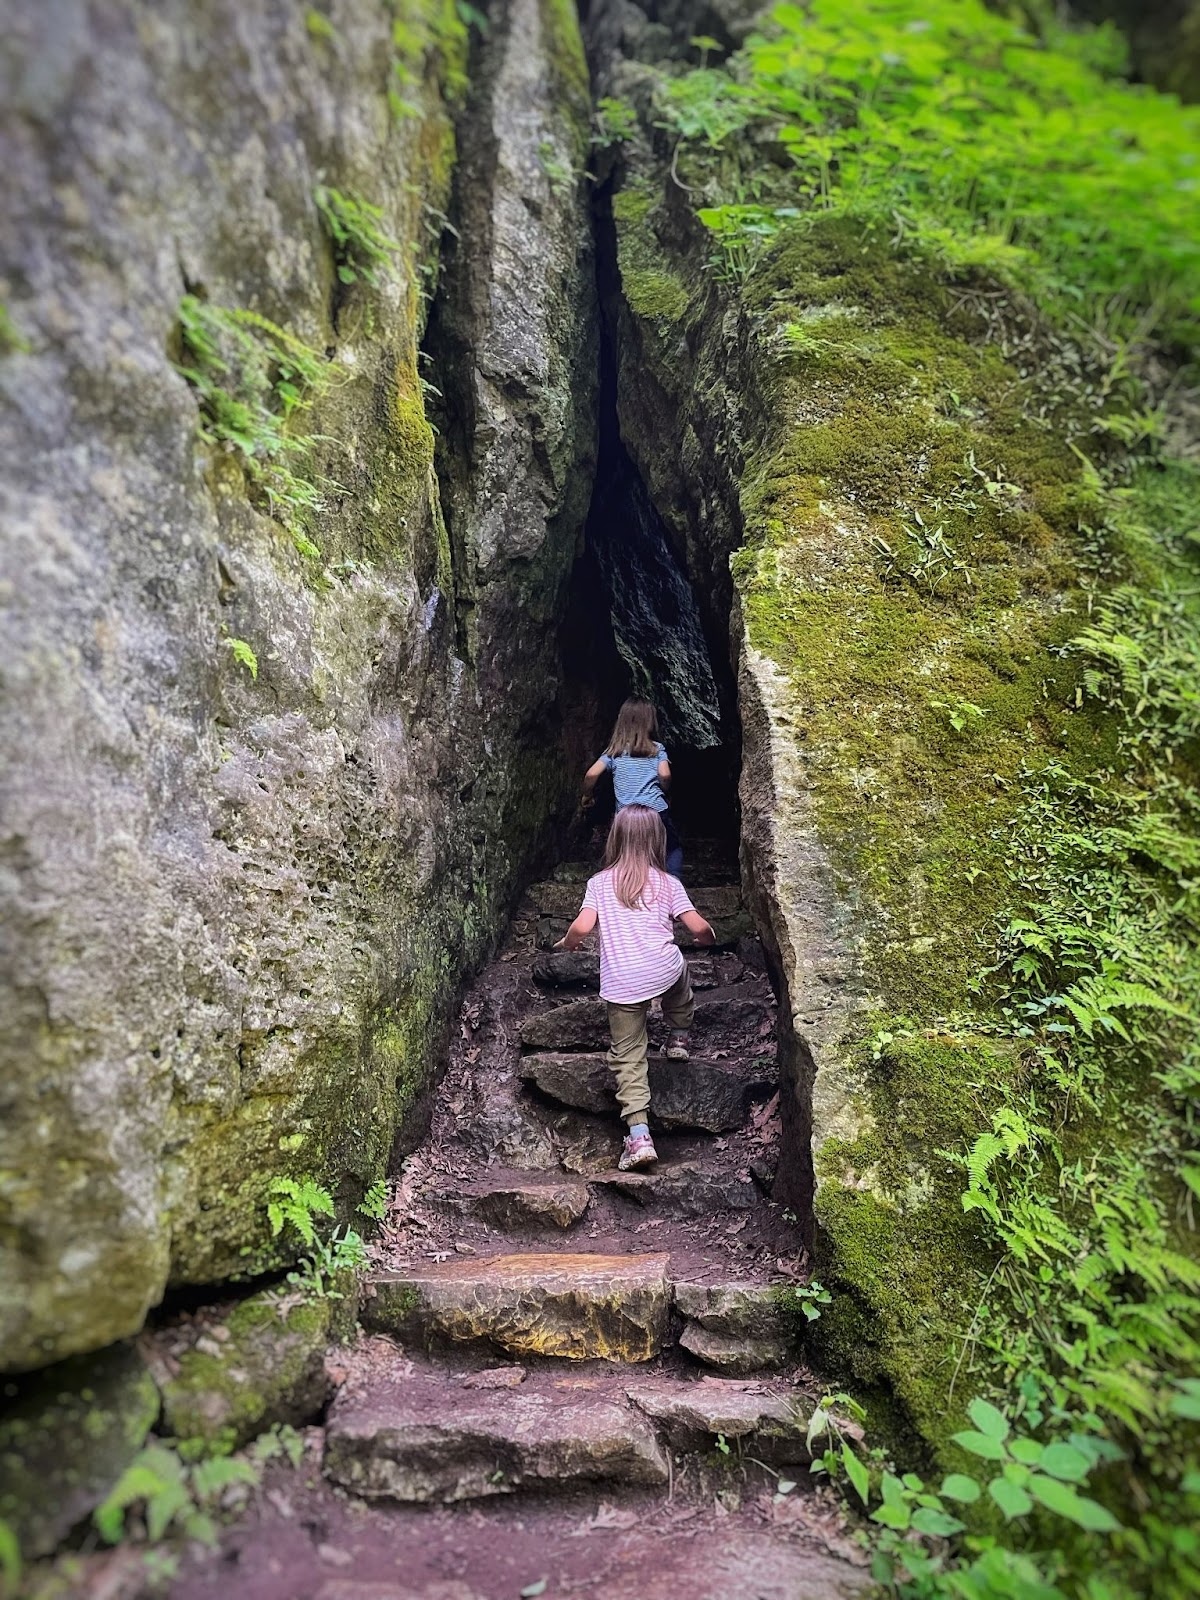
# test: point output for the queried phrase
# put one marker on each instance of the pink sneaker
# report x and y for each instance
(637, 1152)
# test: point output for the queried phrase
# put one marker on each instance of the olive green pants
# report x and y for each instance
(627, 1053)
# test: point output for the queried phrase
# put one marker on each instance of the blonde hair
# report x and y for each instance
(635, 732)
(636, 848)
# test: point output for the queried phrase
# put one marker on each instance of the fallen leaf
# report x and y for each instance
(532, 1589)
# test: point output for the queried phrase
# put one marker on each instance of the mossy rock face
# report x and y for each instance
(260, 1364)
(66, 1436)
(873, 465)
(241, 902)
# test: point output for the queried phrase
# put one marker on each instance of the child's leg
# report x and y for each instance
(674, 861)
(678, 1009)
(627, 1030)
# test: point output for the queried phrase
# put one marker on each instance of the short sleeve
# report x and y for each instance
(679, 899)
(608, 761)
(662, 753)
(591, 896)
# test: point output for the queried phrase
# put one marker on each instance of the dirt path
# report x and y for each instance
(569, 1380)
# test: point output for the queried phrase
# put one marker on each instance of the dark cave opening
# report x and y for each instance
(633, 623)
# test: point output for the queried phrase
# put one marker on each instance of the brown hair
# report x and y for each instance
(635, 732)
(637, 845)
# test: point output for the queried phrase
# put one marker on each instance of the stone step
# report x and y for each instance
(449, 1436)
(557, 899)
(429, 1439)
(577, 969)
(691, 1414)
(520, 1200)
(680, 1191)
(583, 1024)
(735, 1327)
(729, 932)
(710, 1096)
(575, 1307)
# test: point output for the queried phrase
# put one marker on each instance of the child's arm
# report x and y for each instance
(664, 774)
(580, 928)
(592, 777)
(695, 924)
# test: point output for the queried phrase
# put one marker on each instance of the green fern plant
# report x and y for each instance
(170, 1496)
(253, 380)
(296, 1203)
(244, 655)
(361, 248)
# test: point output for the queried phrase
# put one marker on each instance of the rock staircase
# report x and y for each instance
(541, 1321)
(571, 1380)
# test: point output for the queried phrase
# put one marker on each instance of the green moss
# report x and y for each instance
(564, 49)
(952, 591)
(652, 285)
(269, 1371)
(655, 293)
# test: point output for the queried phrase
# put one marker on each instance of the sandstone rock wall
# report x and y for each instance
(265, 791)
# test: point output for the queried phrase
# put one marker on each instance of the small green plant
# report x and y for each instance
(169, 1495)
(560, 173)
(281, 1440)
(909, 1512)
(812, 1297)
(723, 1444)
(706, 45)
(361, 248)
(253, 380)
(615, 122)
(297, 1204)
(319, 25)
(471, 17)
(374, 1202)
(10, 1560)
(244, 655)
(12, 340)
(960, 714)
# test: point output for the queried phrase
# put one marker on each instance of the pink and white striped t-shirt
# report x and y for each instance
(638, 954)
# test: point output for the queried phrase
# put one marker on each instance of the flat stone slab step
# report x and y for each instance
(575, 969)
(711, 1096)
(524, 1200)
(559, 899)
(572, 1306)
(427, 1439)
(583, 1024)
(450, 1436)
(680, 1192)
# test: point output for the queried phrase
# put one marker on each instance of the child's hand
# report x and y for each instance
(586, 802)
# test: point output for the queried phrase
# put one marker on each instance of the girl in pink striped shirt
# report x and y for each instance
(635, 902)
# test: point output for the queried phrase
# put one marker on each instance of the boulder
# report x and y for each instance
(572, 1306)
(258, 1363)
(263, 809)
(739, 1353)
(430, 1439)
(680, 1192)
(66, 1436)
(707, 1095)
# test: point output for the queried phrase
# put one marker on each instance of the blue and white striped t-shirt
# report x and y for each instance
(635, 780)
